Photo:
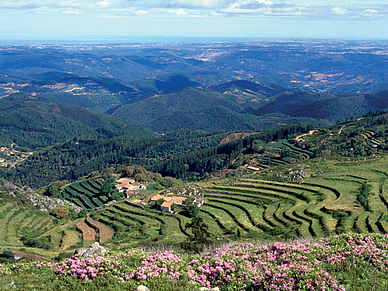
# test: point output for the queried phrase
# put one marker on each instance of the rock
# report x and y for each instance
(207, 289)
(141, 288)
(93, 249)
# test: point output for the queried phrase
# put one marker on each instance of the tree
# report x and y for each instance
(115, 196)
(131, 171)
(257, 146)
(168, 182)
(158, 203)
(144, 176)
(157, 186)
(174, 207)
(109, 171)
(200, 237)
(52, 190)
(158, 177)
(82, 213)
(192, 210)
(109, 178)
(106, 188)
(93, 174)
(60, 212)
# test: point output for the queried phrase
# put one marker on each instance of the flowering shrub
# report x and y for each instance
(321, 265)
(276, 267)
(4, 270)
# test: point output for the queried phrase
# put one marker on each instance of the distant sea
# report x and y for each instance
(30, 40)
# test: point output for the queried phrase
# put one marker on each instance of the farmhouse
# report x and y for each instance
(125, 181)
(129, 193)
(139, 186)
(156, 198)
(127, 184)
(198, 202)
(168, 201)
(166, 206)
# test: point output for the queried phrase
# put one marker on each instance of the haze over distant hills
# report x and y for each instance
(205, 86)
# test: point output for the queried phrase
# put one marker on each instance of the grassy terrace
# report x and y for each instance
(251, 206)
(325, 203)
(85, 194)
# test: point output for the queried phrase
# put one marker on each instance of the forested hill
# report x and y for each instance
(245, 105)
(184, 157)
(195, 155)
(32, 122)
(329, 106)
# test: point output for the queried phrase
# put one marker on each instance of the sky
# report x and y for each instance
(279, 19)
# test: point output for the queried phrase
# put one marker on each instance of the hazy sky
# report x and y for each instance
(56, 19)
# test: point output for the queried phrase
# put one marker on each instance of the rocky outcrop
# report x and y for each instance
(44, 203)
(93, 249)
(293, 175)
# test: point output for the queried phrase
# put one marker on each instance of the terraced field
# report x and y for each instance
(85, 194)
(134, 225)
(337, 196)
(18, 221)
(272, 207)
(104, 233)
(281, 153)
(325, 203)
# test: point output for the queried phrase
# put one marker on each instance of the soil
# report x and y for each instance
(88, 232)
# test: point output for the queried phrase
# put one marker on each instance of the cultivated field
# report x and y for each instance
(85, 194)
(337, 196)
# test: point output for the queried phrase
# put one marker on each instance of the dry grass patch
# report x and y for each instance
(70, 237)
(89, 234)
(106, 233)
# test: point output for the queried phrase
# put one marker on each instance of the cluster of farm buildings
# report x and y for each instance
(169, 201)
(129, 186)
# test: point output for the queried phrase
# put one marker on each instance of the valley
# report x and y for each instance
(133, 146)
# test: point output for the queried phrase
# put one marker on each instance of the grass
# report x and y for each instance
(240, 213)
(13, 226)
(4, 222)
(248, 206)
(268, 215)
(360, 224)
(70, 238)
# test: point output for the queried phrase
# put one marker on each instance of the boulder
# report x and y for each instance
(141, 288)
(93, 249)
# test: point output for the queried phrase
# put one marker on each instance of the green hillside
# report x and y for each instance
(212, 119)
(31, 122)
(331, 197)
(332, 107)
(152, 108)
(364, 136)
(78, 157)
(27, 230)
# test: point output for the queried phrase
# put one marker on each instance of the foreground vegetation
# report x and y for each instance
(345, 262)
